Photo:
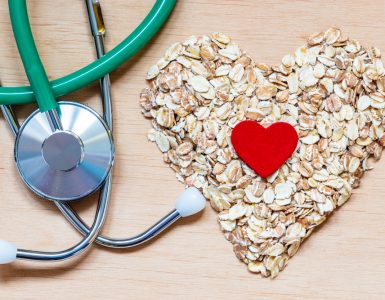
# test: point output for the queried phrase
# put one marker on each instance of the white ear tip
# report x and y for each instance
(190, 202)
(8, 252)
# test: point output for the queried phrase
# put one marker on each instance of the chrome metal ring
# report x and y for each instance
(64, 165)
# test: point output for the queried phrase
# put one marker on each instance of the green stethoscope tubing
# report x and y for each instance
(43, 91)
(29, 55)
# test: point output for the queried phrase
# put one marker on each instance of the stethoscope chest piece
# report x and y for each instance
(67, 164)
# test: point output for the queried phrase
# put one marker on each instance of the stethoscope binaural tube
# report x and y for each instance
(189, 202)
(97, 69)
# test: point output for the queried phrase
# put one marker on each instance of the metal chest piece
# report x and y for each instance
(68, 164)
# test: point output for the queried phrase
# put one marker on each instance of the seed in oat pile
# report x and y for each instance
(332, 90)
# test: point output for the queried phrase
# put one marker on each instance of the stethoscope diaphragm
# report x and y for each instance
(67, 164)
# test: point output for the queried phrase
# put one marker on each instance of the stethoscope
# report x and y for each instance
(64, 151)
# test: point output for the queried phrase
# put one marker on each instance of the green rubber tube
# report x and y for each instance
(104, 65)
(29, 55)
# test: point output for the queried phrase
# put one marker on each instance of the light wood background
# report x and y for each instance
(345, 259)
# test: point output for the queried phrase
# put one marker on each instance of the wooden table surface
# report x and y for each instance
(345, 259)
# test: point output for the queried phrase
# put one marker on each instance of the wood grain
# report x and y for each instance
(345, 259)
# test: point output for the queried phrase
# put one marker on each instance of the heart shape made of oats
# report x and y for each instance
(331, 90)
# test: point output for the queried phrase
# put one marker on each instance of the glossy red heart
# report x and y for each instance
(264, 149)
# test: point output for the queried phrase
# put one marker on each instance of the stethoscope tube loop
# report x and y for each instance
(97, 69)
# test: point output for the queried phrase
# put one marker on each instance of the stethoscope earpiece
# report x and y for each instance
(190, 202)
(8, 252)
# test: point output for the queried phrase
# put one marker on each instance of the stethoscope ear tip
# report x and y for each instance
(8, 252)
(190, 202)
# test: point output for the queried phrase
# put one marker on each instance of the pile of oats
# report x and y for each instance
(331, 90)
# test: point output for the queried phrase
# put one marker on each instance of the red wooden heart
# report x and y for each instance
(264, 149)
